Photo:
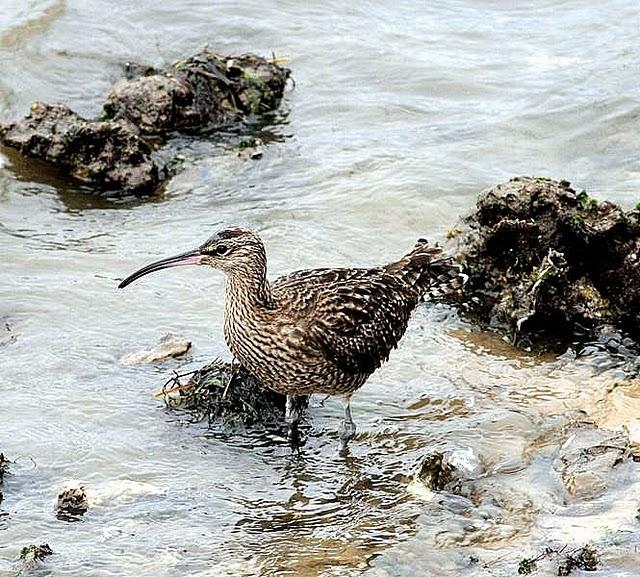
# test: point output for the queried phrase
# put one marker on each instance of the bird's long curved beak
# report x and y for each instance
(186, 258)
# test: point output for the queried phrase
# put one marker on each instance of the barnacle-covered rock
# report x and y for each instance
(545, 259)
(99, 153)
(115, 153)
(204, 91)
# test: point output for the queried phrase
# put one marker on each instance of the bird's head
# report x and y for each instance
(234, 250)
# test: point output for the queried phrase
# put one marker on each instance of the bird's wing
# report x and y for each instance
(354, 317)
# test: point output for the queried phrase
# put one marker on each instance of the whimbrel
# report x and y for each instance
(315, 331)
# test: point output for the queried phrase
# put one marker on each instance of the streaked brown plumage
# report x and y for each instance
(316, 331)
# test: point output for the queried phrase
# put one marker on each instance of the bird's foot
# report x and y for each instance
(293, 435)
(346, 432)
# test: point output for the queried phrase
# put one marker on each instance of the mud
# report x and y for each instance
(548, 263)
(103, 154)
(225, 393)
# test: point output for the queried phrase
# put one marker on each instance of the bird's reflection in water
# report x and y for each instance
(339, 512)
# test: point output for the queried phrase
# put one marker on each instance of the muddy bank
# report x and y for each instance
(115, 152)
(228, 394)
(545, 261)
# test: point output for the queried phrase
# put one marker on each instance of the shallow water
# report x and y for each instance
(398, 118)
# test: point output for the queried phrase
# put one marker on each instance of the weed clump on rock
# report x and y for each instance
(225, 393)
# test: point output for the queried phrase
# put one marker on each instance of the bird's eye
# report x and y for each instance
(221, 249)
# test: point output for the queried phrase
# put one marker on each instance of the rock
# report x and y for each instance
(122, 491)
(170, 346)
(437, 473)
(4, 466)
(72, 501)
(227, 393)
(446, 470)
(4, 469)
(544, 260)
(204, 91)
(587, 457)
(33, 555)
(104, 154)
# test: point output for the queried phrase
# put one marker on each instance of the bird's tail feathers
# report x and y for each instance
(435, 276)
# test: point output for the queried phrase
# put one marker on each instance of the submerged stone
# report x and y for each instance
(33, 555)
(4, 469)
(437, 472)
(587, 457)
(98, 153)
(4, 466)
(170, 346)
(545, 260)
(72, 501)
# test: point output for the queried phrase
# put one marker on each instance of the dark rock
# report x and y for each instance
(544, 260)
(4, 466)
(4, 469)
(437, 473)
(72, 502)
(104, 154)
(33, 555)
(204, 91)
(228, 394)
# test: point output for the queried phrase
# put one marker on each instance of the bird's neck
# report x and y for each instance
(249, 287)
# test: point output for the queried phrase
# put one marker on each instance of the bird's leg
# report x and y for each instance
(347, 428)
(292, 416)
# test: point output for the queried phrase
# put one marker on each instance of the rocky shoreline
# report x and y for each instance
(114, 154)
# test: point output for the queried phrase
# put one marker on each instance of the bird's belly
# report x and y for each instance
(286, 366)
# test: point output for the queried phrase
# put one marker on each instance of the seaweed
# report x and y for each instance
(227, 393)
(585, 558)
